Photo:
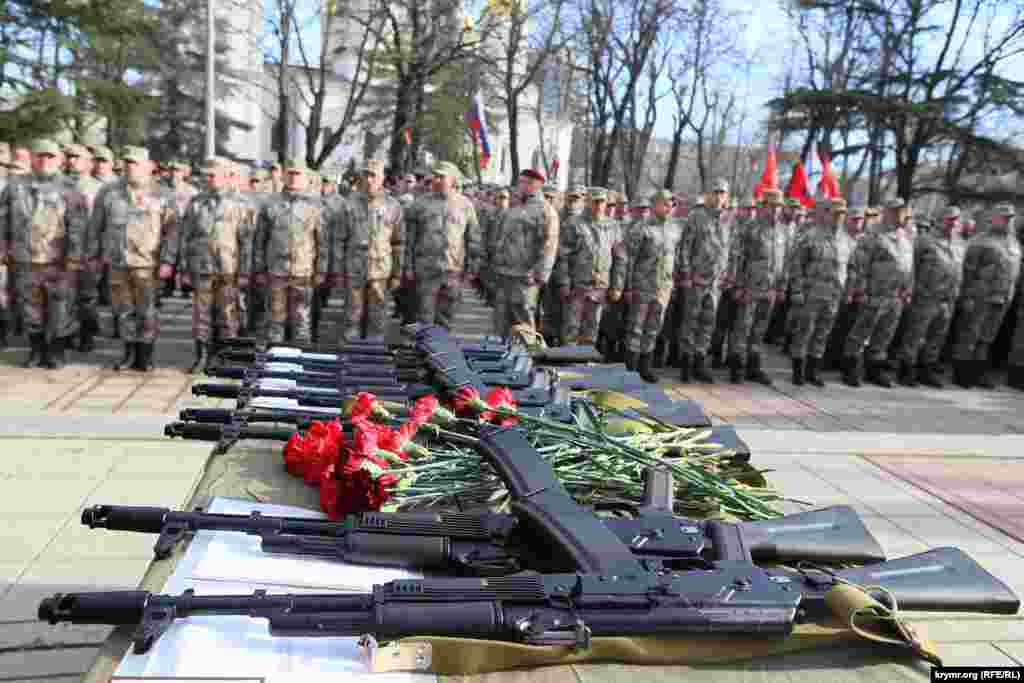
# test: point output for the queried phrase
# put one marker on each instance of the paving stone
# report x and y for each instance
(895, 540)
(974, 654)
(47, 664)
(54, 497)
(1014, 649)
(161, 488)
(970, 629)
(79, 541)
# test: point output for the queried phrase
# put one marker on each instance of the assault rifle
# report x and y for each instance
(597, 585)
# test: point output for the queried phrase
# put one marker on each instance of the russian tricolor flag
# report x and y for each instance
(478, 124)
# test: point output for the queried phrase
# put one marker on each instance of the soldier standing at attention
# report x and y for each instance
(80, 180)
(991, 269)
(757, 269)
(216, 256)
(881, 278)
(288, 252)
(5, 281)
(523, 254)
(369, 232)
(703, 258)
(45, 230)
(443, 254)
(134, 218)
(938, 268)
(649, 274)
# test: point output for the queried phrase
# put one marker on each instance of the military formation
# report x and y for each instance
(654, 283)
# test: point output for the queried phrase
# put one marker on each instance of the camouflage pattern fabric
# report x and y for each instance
(133, 295)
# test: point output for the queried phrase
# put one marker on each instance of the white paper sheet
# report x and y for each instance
(223, 563)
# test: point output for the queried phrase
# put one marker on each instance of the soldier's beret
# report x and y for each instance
(132, 153)
(1005, 209)
(101, 153)
(895, 203)
(374, 166)
(45, 146)
(598, 194)
(447, 169)
(951, 212)
(662, 196)
(773, 197)
(533, 173)
(296, 166)
(720, 185)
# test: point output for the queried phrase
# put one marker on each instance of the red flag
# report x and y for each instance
(799, 188)
(828, 186)
(770, 177)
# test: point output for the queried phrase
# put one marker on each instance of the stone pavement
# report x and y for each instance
(85, 434)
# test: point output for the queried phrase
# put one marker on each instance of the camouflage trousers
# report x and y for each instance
(978, 329)
(290, 302)
(874, 328)
(133, 293)
(88, 299)
(926, 329)
(750, 325)
(812, 323)
(700, 307)
(1017, 345)
(215, 298)
(438, 298)
(48, 302)
(515, 303)
(366, 309)
(6, 300)
(254, 306)
(582, 317)
(645, 320)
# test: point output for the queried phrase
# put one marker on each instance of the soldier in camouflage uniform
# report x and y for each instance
(649, 275)
(369, 235)
(288, 252)
(591, 254)
(991, 269)
(523, 254)
(555, 307)
(815, 285)
(5, 298)
(702, 261)
(938, 267)
(80, 180)
(134, 217)
(757, 267)
(442, 254)
(44, 231)
(881, 278)
(216, 243)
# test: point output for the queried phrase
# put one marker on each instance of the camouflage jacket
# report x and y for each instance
(758, 257)
(288, 237)
(441, 234)
(938, 268)
(133, 224)
(45, 224)
(217, 236)
(525, 243)
(650, 269)
(181, 196)
(368, 236)
(846, 245)
(704, 251)
(991, 267)
(590, 253)
(882, 265)
(815, 271)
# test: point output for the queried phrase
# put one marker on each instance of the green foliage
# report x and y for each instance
(38, 114)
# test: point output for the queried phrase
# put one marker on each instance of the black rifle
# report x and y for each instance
(597, 585)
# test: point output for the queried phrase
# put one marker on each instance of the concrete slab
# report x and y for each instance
(46, 663)
(1012, 649)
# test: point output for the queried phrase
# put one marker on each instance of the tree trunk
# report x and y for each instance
(403, 109)
(419, 106)
(673, 157)
(513, 137)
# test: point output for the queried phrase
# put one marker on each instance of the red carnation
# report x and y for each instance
(501, 397)
(467, 401)
(329, 492)
(364, 406)
(295, 455)
(428, 409)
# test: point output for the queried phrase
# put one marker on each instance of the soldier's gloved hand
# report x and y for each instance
(166, 271)
(857, 296)
(260, 279)
(406, 280)
(905, 295)
(565, 294)
(699, 281)
(394, 282)
(186, 280)
(534, 281)
(614, 295)
(243, 281)
(727, 280)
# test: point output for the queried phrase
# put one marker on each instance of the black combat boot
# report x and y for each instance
(202, 358)
(930, 375)
(685, 368)
(875, 372)
(630, 360)
(144, 357)
(4, 342)
(798, 372)
(812, 372)
(755, 372)
(983, 376)
(128, 359)
(87, 336)
(643, 366)
(700, 370)
(116, 334)
(658, 357)
(908, 374)
(1015, 377)
(735, 362)
(673, 355)
(53, 354)
(717, 358)
(851, 371)
(963, 373)
(35, 356)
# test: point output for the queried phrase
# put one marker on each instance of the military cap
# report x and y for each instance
(773, 197)
(101, 153)
(5, 153)
(132, 153)
(793, 203)
(577, 191)
(76, 150)
(895, 203)
(1005, 209)
(446, 168)
(750, 203)
(533, 173)
(598, 194)
(45, 146)
(295, 166)
(275, 167)
(873, 211)
(699, 201)
(838, 204)
(951, 212)
(858, 212)
(662, 196)
(640, 203)
(214, 166)
(177, 165)
(720, 185)
(374, 166)
(504, 192)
